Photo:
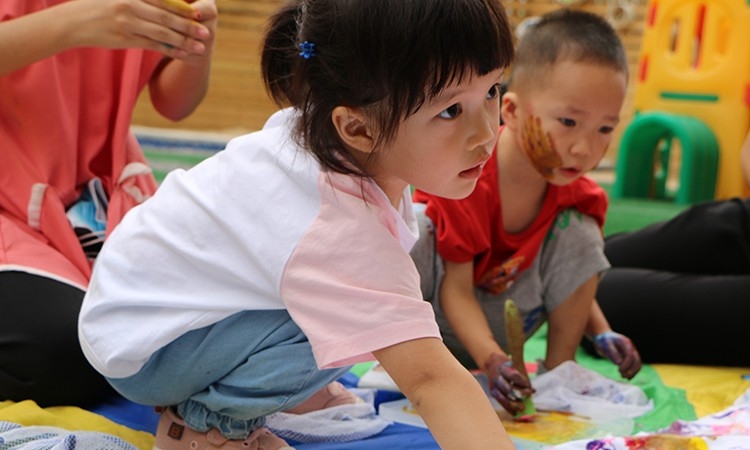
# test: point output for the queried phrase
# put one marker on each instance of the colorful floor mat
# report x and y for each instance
(136, 423)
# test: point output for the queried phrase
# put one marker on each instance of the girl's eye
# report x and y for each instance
(494, 92)
(567, 122)
(606, 130)
(451, 112)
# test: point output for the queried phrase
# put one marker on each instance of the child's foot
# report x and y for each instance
(173, 434)
(332, 394)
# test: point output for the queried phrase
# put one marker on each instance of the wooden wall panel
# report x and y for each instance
(237, 102)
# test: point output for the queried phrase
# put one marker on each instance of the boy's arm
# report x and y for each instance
(465, 315)
(597, 323)
(447, 397)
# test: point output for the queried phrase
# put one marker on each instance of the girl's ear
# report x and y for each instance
(509, 110)
(352, 127)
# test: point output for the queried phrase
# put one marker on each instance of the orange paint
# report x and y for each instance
(179, 6)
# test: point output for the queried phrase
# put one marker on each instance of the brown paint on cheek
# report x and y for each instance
(539, 147)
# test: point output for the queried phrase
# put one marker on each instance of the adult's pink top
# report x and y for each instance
(63, 121)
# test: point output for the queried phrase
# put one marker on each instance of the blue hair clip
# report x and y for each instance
(308, 49)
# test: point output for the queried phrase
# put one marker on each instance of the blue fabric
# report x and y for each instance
(132, 415)
(88, 217)
(396, 436)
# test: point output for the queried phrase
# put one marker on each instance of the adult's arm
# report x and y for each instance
(179, 86)
(115, 24)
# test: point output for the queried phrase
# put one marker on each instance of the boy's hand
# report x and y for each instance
(620, 350)
(507, 385)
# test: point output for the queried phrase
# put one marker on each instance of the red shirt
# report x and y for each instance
(471, 229)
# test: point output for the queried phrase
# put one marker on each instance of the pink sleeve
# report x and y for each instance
(350, 285)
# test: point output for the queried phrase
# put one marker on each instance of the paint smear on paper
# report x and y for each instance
(553, 428)
(652, 442)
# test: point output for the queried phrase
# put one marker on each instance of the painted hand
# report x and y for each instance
(620, 350)
(539, 147)
(507, 385)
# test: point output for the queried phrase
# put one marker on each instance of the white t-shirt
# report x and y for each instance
(257, 226)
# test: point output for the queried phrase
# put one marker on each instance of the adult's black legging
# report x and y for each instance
(681, 289)
(40, 357)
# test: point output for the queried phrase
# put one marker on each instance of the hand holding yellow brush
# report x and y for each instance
(508, 380)
(515, 338)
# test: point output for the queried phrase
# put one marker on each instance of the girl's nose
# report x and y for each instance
(485, 128)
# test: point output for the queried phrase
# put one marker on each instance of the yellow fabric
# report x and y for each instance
(28, 413)
(708, 389)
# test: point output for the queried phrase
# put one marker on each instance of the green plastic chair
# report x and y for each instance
(648, 140)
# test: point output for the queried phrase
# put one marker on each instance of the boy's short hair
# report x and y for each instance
(566, 35)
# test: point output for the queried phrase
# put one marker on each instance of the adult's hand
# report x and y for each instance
(172, 27)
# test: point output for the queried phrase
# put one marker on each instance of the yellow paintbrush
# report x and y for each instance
(179, 6)
(515, 338)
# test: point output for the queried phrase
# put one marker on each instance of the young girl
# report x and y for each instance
(254, 280)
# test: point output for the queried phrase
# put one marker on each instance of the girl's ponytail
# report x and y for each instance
(279, 54)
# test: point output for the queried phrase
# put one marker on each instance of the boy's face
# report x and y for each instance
(442, 148)
(565, 124)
